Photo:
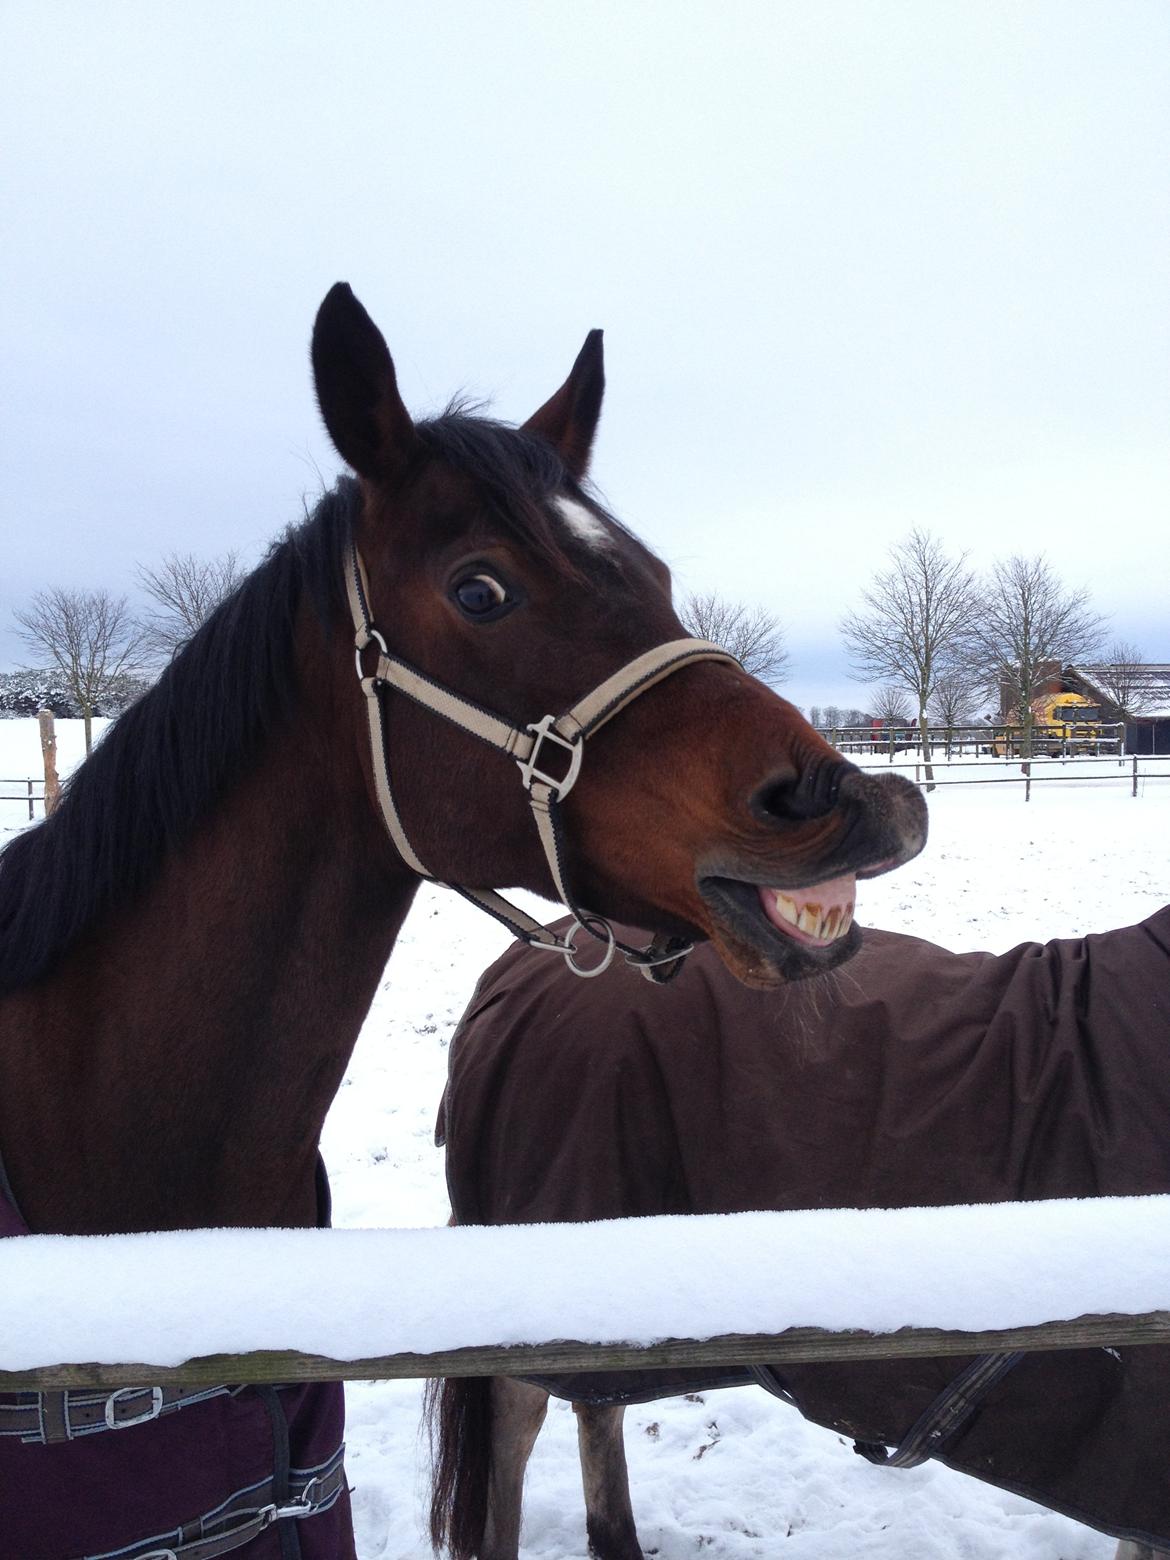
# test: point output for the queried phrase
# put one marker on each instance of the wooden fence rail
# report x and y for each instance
(1107, 739)
(1133, 770)
(798, 1345)
(31, 792)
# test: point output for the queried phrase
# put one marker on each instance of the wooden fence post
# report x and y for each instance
(49, 754)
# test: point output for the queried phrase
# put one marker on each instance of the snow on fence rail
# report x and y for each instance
(265, 1305)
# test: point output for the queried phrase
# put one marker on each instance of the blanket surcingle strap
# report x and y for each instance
(243, 1517)
(43, 1417)
(938, 1425)
(945, 1417)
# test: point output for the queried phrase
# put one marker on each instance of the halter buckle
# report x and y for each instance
(542, 731)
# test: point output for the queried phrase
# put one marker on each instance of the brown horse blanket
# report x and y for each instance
(911, 1076)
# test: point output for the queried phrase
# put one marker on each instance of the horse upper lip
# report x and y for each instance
(881, 866)
(761, 878)
(764, 877)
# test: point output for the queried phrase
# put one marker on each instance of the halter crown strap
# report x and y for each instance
(560, 739)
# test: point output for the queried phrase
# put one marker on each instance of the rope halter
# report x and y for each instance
(551, 740)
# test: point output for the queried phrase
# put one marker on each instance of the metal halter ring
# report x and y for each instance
(568, 951)
(373, 638)
(606, 935)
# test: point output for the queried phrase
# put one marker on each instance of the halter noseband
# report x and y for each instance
(532, 749)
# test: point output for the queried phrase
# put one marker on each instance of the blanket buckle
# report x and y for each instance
(114, 1422)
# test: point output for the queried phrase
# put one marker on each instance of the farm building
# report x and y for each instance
(1139, 695)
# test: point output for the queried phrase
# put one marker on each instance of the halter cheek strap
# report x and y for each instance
(549, 753)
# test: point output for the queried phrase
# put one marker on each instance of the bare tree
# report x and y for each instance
(1028, 625)
(1124, 677)
(952, 702)
(814, 716)
(913, 623)
(92, 640)
(751, 634)
(185, 590)
(892, 706)
(954, 694)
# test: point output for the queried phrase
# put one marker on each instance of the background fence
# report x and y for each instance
(25, 798)
(982, 740)
(1132, 771)
(29, 793)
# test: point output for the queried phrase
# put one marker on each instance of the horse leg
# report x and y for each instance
(518, 1411)
(1127, 1550)
(609, 1517)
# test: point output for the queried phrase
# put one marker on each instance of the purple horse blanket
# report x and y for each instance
(251, 1472)
(912, 1076)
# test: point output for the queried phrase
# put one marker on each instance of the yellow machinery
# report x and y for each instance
(1062, 723)
(1069, 723)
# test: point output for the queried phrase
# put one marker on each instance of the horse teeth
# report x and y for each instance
(786, 907)
(825, 925)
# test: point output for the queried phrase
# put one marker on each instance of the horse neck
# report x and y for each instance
(179, 1070)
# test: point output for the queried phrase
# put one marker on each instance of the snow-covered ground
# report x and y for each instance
(734, 1474)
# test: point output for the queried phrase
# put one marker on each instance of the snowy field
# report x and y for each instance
(735, 1474)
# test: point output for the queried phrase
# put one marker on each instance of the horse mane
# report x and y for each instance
(172, 755)
(176, 752)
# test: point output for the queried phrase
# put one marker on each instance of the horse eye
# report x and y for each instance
(480, 594)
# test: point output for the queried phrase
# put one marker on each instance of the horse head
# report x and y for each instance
(707, 807)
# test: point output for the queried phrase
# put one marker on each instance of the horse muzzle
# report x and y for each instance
(787, 912)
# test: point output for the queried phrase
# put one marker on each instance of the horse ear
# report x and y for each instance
(568, 420)
(356, 387)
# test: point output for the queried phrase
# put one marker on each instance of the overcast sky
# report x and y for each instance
(861, 267)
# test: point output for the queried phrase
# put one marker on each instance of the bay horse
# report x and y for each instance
(914, 1077)
(189, 944)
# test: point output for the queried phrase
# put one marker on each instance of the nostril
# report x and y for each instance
(774, 799)
(796, 797)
